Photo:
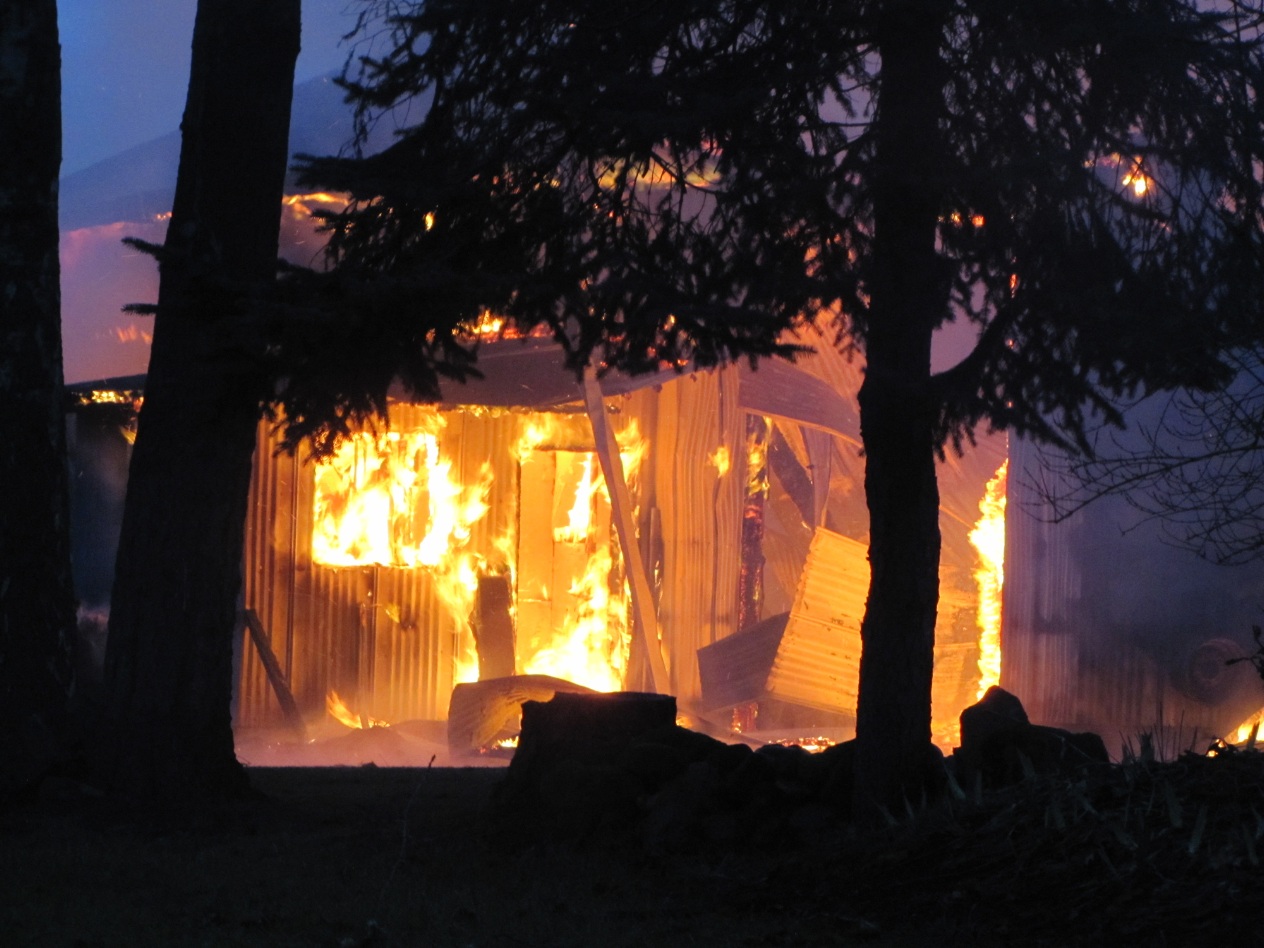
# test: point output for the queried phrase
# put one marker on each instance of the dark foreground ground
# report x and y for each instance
(1142, 854)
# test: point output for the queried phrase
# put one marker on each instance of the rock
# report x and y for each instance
(728, 757)
(1000, 746)
(590, 728)
(839, 763)
(673, 816)
(653, 763)
(575, 768)
(577, 798)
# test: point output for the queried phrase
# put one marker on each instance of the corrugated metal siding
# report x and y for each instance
(735, 669)
(818, 663)
(267, 578)
(379, 636)
(701, 518)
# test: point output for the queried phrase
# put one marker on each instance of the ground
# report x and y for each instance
(1142, 854)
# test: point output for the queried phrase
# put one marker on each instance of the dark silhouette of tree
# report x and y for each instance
(37, 601)
(660, 183)
(1191, 460)
(168, 670)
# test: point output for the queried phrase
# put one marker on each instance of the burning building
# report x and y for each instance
(699, 533)
(702, 534)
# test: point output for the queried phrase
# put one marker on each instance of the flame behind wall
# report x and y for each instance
(988, 537)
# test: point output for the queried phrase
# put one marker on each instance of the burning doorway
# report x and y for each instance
(572, 600)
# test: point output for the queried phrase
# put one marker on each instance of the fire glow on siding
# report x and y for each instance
(988, 537)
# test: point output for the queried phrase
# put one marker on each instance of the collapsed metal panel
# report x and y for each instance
(818, 663)
(810, 657)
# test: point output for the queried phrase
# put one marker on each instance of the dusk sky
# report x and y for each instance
(125, 72)
(125, 68)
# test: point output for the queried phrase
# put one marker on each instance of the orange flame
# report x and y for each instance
(132, 333)
(591, 641)
(302, 205)
(1137, 180)
(395, 500)
(721, 460)
(338, 709)
(988, 538)
(391, 500)
(580, 516)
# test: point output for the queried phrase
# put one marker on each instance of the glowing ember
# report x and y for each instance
(110, 397)
(813, 745)
(1137, 180)
(338, 710)
(988, 538)
(757, 436)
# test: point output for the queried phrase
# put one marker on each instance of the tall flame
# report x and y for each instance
(580, 516)
(988, 539)
(589, 641)
(593, 645)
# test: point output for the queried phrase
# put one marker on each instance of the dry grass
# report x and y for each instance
(1144, 853)
(361, 856)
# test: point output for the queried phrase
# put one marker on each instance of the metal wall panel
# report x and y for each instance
(818, 663)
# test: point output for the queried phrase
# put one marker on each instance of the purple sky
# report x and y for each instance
(125, 68)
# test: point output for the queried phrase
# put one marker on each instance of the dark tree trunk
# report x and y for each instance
(173, 610)
(37, 601)
(897, 418)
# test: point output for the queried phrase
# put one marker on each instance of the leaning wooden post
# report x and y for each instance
(644, 621)
(276, 677)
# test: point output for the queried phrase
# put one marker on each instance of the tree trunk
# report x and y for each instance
(37, 600)
(178, 576)
(897, 418)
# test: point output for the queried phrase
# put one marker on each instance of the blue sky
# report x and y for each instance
(125, 68)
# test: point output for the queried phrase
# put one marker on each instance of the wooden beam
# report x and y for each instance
(276, 677)
(644, 620)
(493, 627)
